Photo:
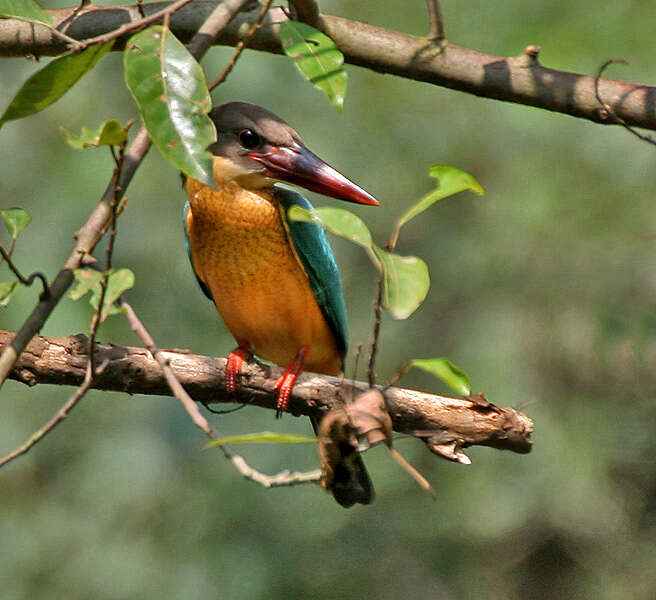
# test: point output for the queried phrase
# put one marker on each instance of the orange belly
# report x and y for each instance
(242, 252)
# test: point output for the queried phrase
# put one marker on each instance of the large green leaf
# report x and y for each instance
(16, 219)
(445, 370)
(317, 58)
(53, 81)
(336, 220)
(450, 181)
(405, 282)
(110, 133)
(263, 437)
(25, 10)
(169, 88)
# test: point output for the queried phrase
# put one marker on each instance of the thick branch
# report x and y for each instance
(446, 423)
(513, 79)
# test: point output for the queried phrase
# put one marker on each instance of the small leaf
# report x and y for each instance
(88, 280)
(405, 282)
(53, 81)
(317, 58)
(16, 219)
(118, 281)
(336, 220)
(263, 437)
(169, 88)
(7, 289)
(445, 370)
(450, 181)
(85, 281)
(25, 10)
(110, 133)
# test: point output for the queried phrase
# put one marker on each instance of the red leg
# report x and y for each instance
(233, 366)
(286, 381)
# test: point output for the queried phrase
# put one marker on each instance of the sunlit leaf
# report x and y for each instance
(445, 370)
(53, 81)
(405, 282)
(317, 58)
(336, 220)
(16, 219)
(169, 88)
(7, 289)
(263, 437)
(450, 181)
(110, 133)
(25, 10)
(89, 281)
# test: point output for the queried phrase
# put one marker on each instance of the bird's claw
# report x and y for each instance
(286, 381)
(233, 366)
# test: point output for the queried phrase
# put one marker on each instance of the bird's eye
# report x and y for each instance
(249, 139)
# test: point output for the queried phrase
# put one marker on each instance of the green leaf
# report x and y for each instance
(16, 219)
(169, 88)
(450, 181)
(110, 133)
(445, 370)
(263, 437)
(317, 58)
(53, 81)
(336, 220)
(405, 282)
(89, 280)
(25, 10)
(7, 288)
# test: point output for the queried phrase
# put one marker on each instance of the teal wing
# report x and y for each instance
(201, 283)
(312, 246)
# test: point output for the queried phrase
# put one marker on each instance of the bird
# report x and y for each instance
(274, 281)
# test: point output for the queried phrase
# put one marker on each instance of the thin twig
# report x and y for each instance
(62, 413)
(436, 31)
(608, 109)
(285, 478)
(130, 27)
(242, 45)
(28, 281)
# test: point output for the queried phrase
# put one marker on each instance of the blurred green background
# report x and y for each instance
(543, 290)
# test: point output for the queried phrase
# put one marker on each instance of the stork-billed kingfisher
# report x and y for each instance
(274, 281)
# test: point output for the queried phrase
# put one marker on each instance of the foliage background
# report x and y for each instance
(543, 290)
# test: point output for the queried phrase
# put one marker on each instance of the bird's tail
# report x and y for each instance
(350, 482)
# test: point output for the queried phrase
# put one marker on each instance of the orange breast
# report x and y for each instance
(242, 252)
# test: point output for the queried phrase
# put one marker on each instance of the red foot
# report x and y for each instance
(286, 381)
(233, 366)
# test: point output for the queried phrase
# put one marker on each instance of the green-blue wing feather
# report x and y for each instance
(201, 283)
(314, 250)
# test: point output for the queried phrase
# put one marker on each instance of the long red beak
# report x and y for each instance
(296, 164)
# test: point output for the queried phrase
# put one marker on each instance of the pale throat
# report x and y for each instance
(225, 170)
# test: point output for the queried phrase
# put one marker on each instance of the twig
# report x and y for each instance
(242, 45)
(28, 281)
(436, 31)
(213, 25)
(284, 478)
(608, 109)
(62, 413)
(130, 27)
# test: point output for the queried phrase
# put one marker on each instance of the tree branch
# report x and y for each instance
(520, 79)
(445, 424)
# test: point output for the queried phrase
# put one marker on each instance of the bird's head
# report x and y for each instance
(256, 148)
